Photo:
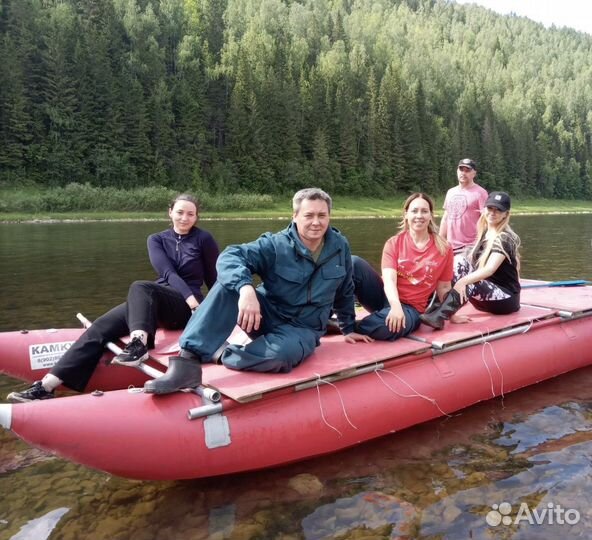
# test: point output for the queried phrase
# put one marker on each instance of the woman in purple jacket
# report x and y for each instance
(184, 257)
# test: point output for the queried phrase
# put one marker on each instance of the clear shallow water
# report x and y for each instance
(437, 480)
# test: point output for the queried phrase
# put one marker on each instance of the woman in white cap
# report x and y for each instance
(489, 276)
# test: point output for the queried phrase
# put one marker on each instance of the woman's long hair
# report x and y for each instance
(441, 244)
(504, 234)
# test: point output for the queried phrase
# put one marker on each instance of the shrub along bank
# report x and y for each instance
(83, 201)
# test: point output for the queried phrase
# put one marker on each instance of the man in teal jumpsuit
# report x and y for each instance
(306, 272)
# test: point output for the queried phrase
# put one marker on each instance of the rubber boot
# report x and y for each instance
(181, 373)
(433, 306)
(450, 305)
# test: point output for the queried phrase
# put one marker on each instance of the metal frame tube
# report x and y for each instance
(208, 393)
(441, 348)
(204, 410)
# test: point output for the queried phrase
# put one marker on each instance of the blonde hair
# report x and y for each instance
(503, 234)
(441, 244)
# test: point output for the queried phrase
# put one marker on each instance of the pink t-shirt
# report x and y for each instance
(463, 208)
(418, 270)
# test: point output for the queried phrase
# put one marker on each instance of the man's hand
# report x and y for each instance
(354, 336)
(249, 310)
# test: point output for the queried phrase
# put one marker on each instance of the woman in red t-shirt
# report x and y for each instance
(415, 263)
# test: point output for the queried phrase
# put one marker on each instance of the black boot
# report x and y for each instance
(182, 373)
(333, 327)
(433, 305)
(450, 305)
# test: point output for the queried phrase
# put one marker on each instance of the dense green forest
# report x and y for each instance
(369, 97)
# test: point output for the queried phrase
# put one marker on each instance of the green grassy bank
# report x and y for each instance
(83, 202)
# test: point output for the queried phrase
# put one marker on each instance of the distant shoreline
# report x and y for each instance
(272, 217)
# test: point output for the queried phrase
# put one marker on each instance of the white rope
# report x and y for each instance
(323, 414)
(416, 394)
(530, 323)
(527, 329)
(487, 343)
(319, 381)
(484, 342)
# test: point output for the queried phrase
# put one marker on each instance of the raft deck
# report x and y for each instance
(336, 359)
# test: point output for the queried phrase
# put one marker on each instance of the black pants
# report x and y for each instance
(148, 307)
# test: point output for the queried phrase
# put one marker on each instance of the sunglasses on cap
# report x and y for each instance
(467, 163)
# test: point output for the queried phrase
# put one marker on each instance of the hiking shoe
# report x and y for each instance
(36, 391)
(134, 354)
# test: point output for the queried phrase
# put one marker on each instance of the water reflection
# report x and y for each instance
(375, 511)
(436, 480)
(40, 528)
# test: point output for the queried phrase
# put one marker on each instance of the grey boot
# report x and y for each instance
(449, 306)
(181, 373)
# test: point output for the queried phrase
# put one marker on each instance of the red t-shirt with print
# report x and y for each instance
(418, 270)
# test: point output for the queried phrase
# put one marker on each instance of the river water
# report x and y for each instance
(443, 479)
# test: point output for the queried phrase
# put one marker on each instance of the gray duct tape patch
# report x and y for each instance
(217, 431)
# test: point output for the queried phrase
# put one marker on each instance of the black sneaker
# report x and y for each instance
(134, 354)
(30, 394)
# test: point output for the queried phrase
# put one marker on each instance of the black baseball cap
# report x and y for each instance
(467, 163)
(499, 200)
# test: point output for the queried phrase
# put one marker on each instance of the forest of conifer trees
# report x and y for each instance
(370, 97)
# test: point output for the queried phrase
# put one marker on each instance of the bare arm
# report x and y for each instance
(444, 226)
(395, 320)
(442, 289)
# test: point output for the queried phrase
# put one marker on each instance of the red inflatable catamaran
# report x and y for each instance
(343, 395)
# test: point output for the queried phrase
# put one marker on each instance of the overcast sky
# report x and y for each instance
(573, 13)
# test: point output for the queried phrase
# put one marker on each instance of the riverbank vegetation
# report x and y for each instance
(360, 97)
(85, 202)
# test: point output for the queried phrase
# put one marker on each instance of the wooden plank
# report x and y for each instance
(332, 357)
(482, 324)
(572, 299)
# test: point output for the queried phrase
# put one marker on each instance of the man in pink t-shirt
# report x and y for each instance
(462, 207)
